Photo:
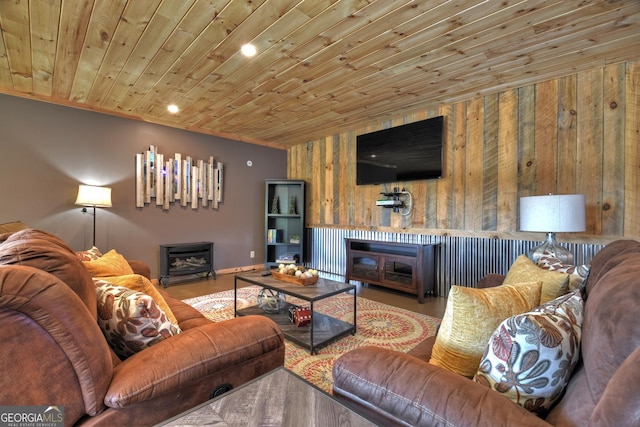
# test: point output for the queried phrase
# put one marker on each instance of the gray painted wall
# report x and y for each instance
(47, 150)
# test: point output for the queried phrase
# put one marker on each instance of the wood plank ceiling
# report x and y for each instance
(322, 67)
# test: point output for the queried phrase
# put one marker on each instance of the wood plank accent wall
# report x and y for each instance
(575, 134)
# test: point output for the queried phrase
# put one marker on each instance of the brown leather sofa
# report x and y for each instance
(52, 351)
(604, 389)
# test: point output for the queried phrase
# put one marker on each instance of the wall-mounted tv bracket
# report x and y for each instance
(397, 200)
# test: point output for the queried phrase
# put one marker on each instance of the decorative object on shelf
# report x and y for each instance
(186, 181)
(95, 197)
(292, 205)
(271, 301)
(275, 208)
(300, 316)
(294, 238)
(552, 214)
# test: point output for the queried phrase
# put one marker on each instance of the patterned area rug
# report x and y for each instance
(377, 324)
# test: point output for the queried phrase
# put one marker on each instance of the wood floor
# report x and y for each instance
(183, 288)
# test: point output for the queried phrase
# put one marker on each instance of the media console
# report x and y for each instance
(407, 267)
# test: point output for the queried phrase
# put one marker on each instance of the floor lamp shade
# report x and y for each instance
(95, 197)
(90, 195)
(552, 214)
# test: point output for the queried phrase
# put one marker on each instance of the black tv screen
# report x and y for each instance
(403, 153)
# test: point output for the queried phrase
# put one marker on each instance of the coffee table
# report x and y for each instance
(277, 398)
(322, 330)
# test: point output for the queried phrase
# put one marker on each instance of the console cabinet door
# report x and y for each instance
(399, 272)
(364, 266)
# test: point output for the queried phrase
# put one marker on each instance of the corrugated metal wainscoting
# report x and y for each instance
(459, 260)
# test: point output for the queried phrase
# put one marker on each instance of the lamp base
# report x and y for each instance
(550, 246)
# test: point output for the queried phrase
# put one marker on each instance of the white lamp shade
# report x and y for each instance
(89, 195)
(553, 213)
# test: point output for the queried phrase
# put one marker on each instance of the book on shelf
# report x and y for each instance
(288, 258)
(274, 235)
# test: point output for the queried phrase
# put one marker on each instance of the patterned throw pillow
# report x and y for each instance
(470, 318)
(530, 357)
(89, 255)
(139, 283)
(109, 264)
(130, 321)
(554, 283)
(577, 273)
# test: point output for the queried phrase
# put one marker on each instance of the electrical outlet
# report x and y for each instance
(252, 254)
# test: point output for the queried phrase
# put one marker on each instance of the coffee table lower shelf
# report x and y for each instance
(326, 329)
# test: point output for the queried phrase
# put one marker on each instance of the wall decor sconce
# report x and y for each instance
(186, 181)
(94, 197)
(552, 214)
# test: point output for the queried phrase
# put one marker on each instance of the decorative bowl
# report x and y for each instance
(300, 281)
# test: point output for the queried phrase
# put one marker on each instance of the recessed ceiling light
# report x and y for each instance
(248, 49)
(173, 108)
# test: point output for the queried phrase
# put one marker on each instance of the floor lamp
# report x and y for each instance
(95, 197)
(552, 214)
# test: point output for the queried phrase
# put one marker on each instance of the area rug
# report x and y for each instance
(377, 324)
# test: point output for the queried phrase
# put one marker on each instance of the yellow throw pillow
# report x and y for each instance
(109, 264)
(470, 318)
(554, 283)
(139, 283)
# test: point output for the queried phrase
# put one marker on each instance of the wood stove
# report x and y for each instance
(181, 259)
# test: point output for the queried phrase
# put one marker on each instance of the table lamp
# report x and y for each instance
(552, 214)
(95, 197)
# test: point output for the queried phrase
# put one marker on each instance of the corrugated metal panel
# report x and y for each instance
(459, 261)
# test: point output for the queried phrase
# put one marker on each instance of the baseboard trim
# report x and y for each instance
(240, 269)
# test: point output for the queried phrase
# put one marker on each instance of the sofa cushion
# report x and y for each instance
(108, 265)
(577, 273)
(524, 270)
(471, 316)
(130, 320)
(140, 283)
(530, 356)
(89, 255)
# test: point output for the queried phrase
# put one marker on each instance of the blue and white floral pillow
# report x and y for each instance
(530, 357)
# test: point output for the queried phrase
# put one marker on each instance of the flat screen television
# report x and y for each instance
(402, 153)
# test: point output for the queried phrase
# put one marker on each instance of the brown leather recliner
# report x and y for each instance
(52, 351)
(403, 389)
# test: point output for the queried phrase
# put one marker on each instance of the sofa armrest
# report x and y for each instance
(140, 267)
(409, 391)
(192, 355)
(424, 348)
(187, 316)
(47, 332)
(491, 280)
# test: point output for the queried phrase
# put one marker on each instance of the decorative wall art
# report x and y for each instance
(177, 180)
